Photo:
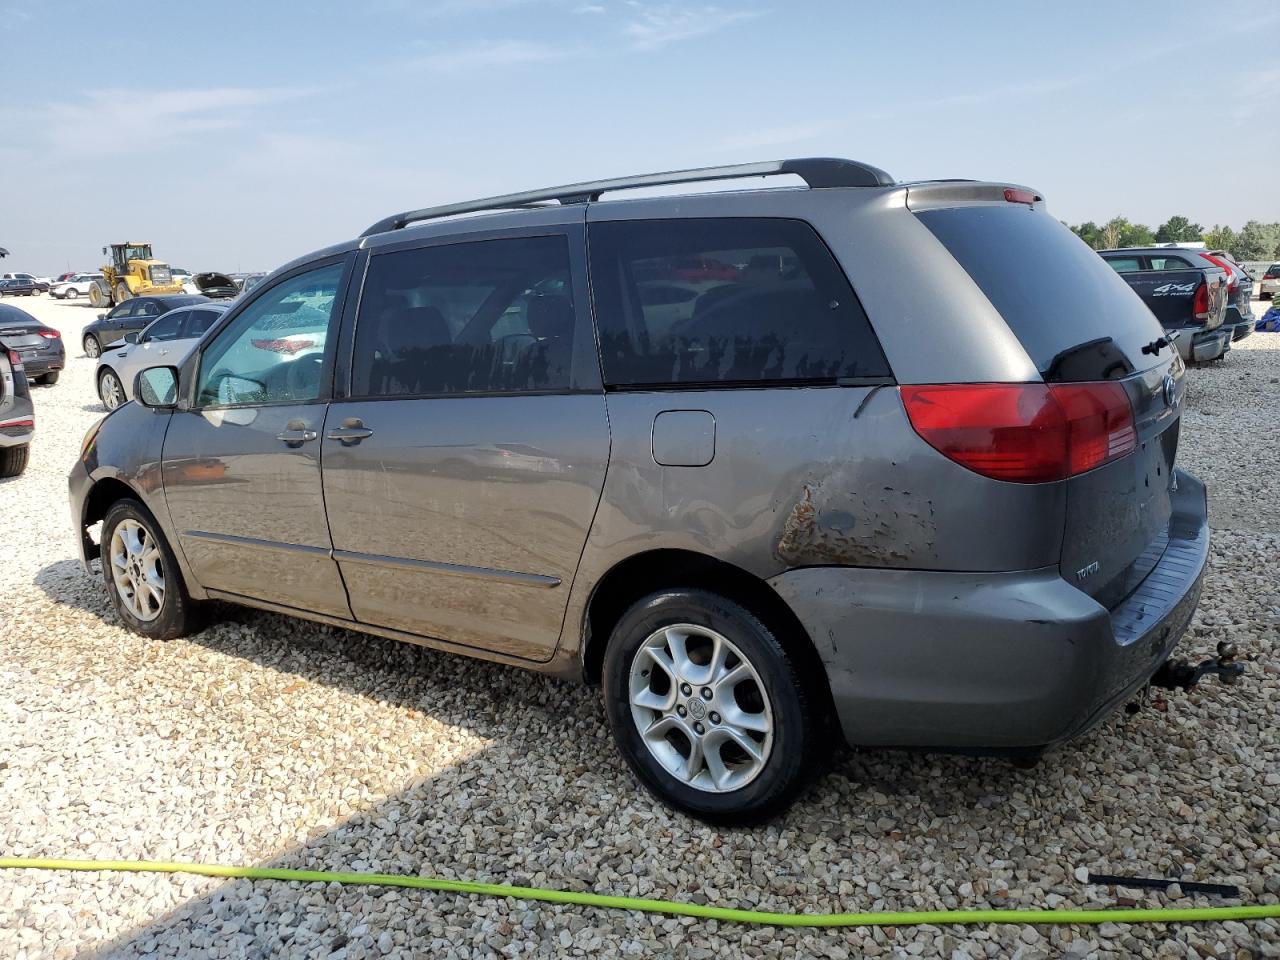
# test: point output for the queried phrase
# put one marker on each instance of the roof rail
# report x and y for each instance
(817, 172)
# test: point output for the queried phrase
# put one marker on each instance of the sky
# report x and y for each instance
(237, 136)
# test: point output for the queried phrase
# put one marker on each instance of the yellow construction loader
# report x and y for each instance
(132, 272)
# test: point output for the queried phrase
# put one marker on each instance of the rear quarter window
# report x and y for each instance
(1054, 292)
(725, 301)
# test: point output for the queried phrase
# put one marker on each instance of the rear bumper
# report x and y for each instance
(990, 662)
(1200, 345)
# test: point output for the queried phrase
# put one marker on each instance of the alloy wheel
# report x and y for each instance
(111, 390)
(137, 570)
(701, 708)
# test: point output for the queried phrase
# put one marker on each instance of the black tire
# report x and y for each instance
(102, 389)
(13, 460)
(797, 745)
(92, 348)
(50, 378)
(176, 616)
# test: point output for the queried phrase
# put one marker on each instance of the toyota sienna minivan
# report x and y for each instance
(892, 462)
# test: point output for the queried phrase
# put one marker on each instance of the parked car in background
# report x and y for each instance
(129, 317)
(168, 339)
(977, 541)
(17, 414)
(38, 344)
(1270, 282)
(1187, 294)
(1239, 317)
(18, 287)
(247, 281)
(62, 277)
(216, 286)
(40, 283)
(75, 286)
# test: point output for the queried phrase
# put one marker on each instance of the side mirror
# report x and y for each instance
(157, 388)
(132, 337)
(102, 316)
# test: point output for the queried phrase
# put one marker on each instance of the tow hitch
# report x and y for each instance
(1181, 675)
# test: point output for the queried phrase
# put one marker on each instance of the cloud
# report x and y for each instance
(659, 25)
(589, 8)
(122, 120)
(502, 53)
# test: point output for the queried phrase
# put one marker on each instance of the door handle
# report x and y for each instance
(296, 434)
(352, 431)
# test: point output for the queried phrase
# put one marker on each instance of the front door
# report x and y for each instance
(462, 472)
(242, 466)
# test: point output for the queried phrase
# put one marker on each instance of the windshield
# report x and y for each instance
(140, 252)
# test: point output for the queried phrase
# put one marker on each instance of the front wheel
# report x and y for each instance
(110, 389)
(70, 294)
(142, 576)
(709, 708)
(123, 292)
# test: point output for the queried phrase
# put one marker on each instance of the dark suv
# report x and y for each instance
(892, 461)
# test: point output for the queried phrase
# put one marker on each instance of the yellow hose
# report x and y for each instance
(707, 912)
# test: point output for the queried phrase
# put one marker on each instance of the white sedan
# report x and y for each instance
(166, 340)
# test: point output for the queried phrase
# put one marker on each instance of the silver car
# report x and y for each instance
(892, 463)
(75, 287)
(167, 339)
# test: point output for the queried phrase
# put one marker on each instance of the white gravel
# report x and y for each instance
(265, 740)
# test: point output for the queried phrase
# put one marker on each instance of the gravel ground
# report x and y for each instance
(269, 740)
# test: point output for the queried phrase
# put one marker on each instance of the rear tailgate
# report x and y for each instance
(1079, 322)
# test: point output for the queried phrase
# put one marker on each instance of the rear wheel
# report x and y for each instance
(92, 348)
(13, 460)
(141, 574)
(110, 390)
(709, 708)
(50, 378)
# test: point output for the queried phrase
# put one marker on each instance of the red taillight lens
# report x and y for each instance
(1200, 306)
(19, 422)
(1024, 432)
(1232, 280)
(15, 360)
(1270, 276)
(50, 334)
(1014, 195)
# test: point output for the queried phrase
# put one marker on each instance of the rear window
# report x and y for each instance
(1124, 264)
(717, 302)
(1169, 263)
(1055, 293)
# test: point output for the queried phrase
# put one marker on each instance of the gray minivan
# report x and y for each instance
(892, 462)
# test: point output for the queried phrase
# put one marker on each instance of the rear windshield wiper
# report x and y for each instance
(1168, 340)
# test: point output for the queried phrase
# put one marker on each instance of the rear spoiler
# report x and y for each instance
(937, 194)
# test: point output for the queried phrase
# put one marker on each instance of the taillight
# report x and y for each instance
(1024, 432)
(49, 333)
(15, 360)
(1270, 276)
(1200, 305)
(19, 422)
(1232, 280)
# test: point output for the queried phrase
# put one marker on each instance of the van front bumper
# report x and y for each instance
(991, 662)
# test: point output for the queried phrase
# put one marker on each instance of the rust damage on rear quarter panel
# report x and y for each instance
(831, 524)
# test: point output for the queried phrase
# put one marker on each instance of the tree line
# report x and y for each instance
(1254, 241)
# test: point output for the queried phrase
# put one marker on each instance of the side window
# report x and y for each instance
(199, 321)
(478, 317)
(732, 301)
(146, 308)
(1169, 263)
(123, 310)
(165, 328)
(273, 352)
(1124, 264)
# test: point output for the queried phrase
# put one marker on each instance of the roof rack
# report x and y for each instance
(817, 172)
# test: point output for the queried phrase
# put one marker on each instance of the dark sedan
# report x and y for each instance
(37, 344)
(17, 415)
(18, 287)
(134, 314)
